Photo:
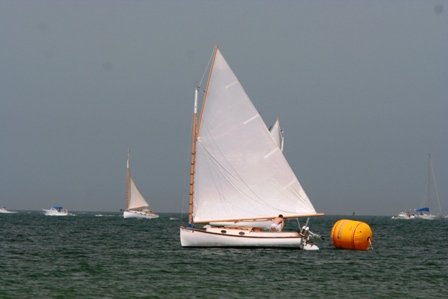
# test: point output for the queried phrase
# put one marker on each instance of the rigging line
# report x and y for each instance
(434, 182)
(298, 223)
(205, 71)
(205, 91)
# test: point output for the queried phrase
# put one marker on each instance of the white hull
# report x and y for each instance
(426, 216)
(54, 212)
(226, 237)
(407, 216)
(139, 214)
(404, 215)
(5, 211)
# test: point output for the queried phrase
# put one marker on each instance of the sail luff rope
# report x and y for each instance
(204, 98)
(207, 67)
(194, 134)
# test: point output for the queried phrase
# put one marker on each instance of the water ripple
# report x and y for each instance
(107, 257)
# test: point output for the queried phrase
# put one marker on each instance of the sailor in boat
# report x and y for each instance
(277, 223)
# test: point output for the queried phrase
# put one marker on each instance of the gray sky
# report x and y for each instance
(360, 88)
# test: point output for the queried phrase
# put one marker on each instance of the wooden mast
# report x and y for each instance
(194, 135)
(193, 157)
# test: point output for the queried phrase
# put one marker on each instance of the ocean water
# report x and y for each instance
(89, 256)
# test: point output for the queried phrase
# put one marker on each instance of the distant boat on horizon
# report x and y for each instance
(406, 215)
(424, 212)
(135, 205)
(56, 210)
(3, 210)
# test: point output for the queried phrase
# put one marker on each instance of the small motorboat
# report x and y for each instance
(56, 211)
(5, 211)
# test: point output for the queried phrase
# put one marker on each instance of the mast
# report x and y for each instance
(432, 182)
(193, 156)
(128, 181)
(194, 135)
(428, 183)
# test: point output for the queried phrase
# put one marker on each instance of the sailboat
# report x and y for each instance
(431, 189)
(136, 205)
(277, 134)
(239, 178)
(424, 212)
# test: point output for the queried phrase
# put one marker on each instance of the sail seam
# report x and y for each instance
(291, 183)
(231, 84)
(271, 153)
(251, 119)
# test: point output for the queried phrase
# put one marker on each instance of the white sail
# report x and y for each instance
(277, 134)
(240, 173)
(135, 199)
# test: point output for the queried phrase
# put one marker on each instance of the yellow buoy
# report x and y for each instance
(351, 234)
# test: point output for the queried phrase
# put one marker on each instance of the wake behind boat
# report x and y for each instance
(239, 177)
(56, 211)
(136, 205)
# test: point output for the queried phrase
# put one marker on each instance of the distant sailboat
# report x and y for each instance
(136, 205)
(431, 189)
(424, 212)
(238, 173)
(277, 134)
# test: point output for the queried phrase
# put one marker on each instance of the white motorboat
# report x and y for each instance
(5, 211)
(56, 211)
(404, 215)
